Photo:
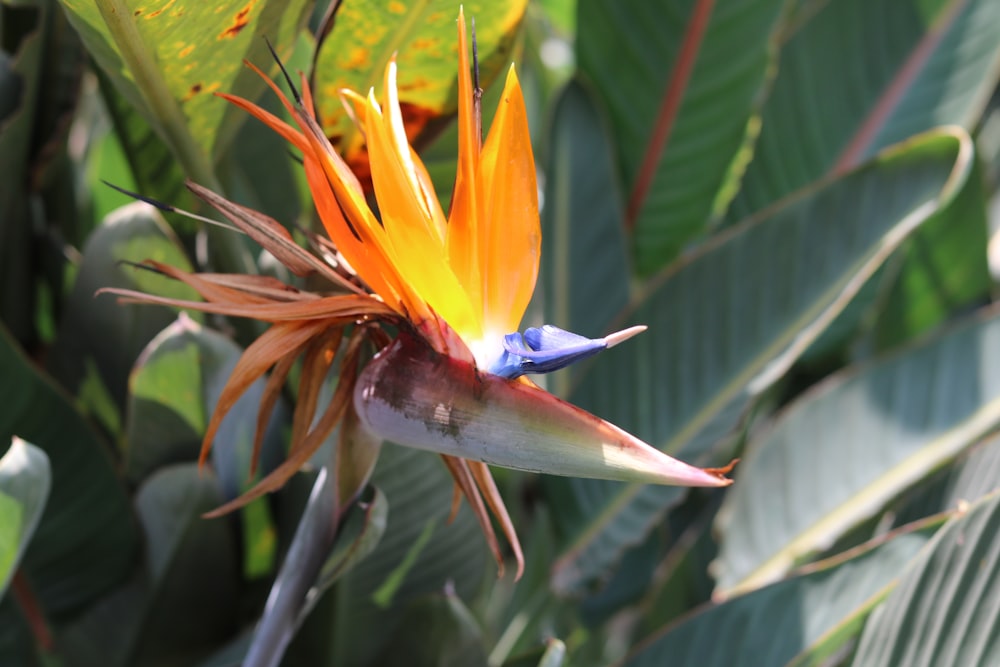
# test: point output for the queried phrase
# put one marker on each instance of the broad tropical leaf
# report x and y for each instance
(770, 627)
(841, 453)
(682, 81)
(944, 610)
(99, 339)
(584, 262)
(167, 58)
(730, 319)
(904, 67)
(86, 541)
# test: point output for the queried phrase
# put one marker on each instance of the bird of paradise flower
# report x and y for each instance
(423, 314)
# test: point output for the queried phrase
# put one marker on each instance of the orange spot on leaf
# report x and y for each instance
(425, 43)
(397, 7)
(186, 51)
(194, 90)
(240, 21)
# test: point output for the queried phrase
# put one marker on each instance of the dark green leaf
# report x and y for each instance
(584, 265)
(100, 339)
(86, 540)
(681, 101)
(902, 67)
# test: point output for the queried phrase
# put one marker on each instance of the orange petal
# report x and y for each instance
(510, 232)
(275, 343)
(463, 222)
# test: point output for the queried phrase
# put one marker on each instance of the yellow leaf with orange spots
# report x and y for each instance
(423, 36)
(169, 56)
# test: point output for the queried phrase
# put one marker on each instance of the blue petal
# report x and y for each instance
(543, 350)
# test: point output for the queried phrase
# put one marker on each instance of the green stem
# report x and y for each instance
(228, 254)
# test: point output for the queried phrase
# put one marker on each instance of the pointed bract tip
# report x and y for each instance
(623, 335)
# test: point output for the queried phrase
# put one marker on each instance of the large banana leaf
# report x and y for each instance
(903, 67)
(584, 269)
(682, 81)
(841, 453)
(86, 540)
(168, 59)
(945, 609)
(731, 318)
(776, 624)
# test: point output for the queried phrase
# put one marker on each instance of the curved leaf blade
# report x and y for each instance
(99, 339)
(730, 319)
(168, 60)
(86, 540)
(584, 268)
(944, 610)
(681, 82)
(913, 66)
(25, 481)
(840, 454)
(173, 389)
(830, 599)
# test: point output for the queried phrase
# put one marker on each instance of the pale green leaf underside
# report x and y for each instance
(839, 454)
(731, 318)
(771, 626)
(25, 479)
(946, 608)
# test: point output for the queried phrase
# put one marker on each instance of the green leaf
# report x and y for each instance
(174, 387)
(86, 541)
(25, 480)
(99, 339)
(193, 563)
(168, 60)
(943, 612)
(21, 60)
(944, 269)
(551, 654)
(155, 171)
(584, 268)
(17, 648)
(975, 474)
(436, 630)
(418, 489)
(423, 35)
(773, 625)
(184, 602)
(732, 317)
(680, 99)
(840, 454)
(901, 68)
